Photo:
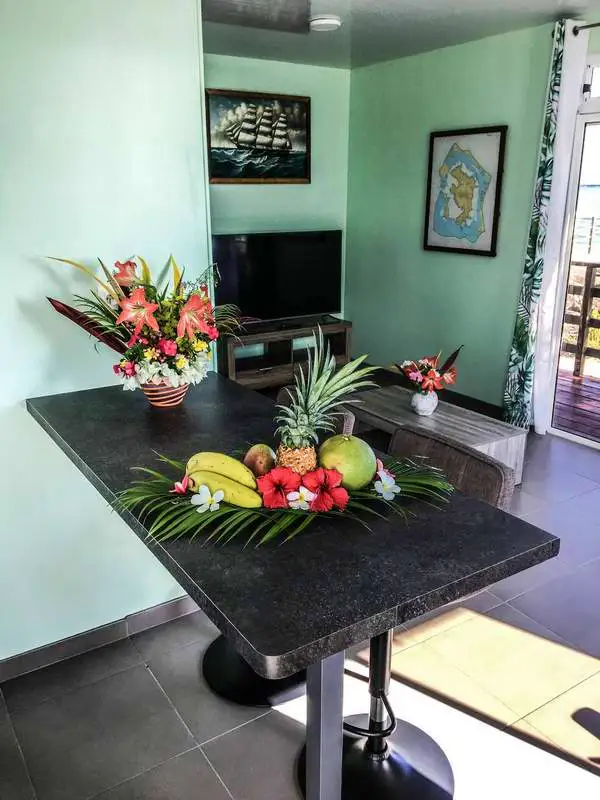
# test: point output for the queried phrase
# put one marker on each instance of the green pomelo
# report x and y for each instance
(350, 456)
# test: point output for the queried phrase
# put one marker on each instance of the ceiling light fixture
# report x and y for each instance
(323, 23)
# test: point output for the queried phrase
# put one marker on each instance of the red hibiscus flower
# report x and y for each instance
(326, 485)
(125, 274)
(139, 312)
(193, 316)
(276, 485)
(432, 381)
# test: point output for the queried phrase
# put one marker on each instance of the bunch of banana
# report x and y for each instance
(218, 471)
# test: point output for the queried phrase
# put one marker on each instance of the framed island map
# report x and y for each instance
(464, 186)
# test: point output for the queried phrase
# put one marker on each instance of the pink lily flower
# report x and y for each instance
(125, 274)
(180, 487)
(138, 311)
(193, 316)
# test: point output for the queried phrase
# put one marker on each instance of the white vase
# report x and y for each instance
(424, 404)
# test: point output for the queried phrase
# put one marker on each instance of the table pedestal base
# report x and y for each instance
(414, 767)
(229, 676)
(384, 758)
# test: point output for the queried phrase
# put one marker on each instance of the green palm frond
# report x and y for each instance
(167, 516)
(227, 319)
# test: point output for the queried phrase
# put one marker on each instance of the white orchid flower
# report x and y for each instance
(386, 485)
(301, 499)
(205, 500)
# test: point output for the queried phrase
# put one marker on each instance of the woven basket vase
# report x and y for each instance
(162, 396)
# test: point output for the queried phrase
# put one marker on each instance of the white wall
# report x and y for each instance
(101, 153)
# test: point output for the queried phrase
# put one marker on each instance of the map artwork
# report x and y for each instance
(458, 210)
(464, 184)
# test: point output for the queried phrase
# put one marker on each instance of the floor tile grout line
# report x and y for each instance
(214, 769)
(17, 743)
(563, 641)
(560, 694)
(492, 694)
(547, 504)
(237, 728)
(142, 772)
(172, 704)
(148, 657)
(27, 708)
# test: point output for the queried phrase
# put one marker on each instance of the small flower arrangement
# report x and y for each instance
(163, 333)
(425, 375)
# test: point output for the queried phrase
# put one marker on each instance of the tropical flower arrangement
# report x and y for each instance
(270, 494)
(161, 330)
(426, 376)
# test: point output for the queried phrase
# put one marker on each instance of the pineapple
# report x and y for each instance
(314, 404)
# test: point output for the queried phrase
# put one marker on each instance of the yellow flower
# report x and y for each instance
(181, 362)
(200, 346)
(150, 353)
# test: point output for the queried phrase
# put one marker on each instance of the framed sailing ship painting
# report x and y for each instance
(256, 137)
(464, 186)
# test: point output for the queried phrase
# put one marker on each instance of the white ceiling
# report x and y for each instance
(381, 30)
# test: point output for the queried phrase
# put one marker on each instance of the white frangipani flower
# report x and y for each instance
(301, 499)
(156, 373)
(205, 500)
(386, 485)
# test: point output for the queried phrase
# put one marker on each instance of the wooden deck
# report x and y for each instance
(577, 406)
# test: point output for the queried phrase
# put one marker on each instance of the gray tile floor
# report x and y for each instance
(134, 720)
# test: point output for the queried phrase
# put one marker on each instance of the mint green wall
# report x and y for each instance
(594, 42)
(406, 302)
(101, 153)
(320, 204)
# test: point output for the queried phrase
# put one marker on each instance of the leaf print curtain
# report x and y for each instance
(518, 392)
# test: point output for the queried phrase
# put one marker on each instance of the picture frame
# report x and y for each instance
(258, 137)
(464, 190)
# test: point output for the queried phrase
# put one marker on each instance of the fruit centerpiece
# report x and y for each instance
(162, 331)
(278, 494)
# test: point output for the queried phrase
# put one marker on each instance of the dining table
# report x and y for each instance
(298, 605)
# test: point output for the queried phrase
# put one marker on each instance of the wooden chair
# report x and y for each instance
(344, 423)
(471, 472)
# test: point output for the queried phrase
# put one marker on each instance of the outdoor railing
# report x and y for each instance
(583, 319)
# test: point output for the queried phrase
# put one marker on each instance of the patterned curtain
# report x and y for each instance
(518, 392)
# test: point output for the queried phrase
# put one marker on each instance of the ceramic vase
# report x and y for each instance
(162, 396)
(424, 404)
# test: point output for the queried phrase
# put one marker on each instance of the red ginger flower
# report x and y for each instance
(276, 485)
(125, 274)
(326, 485)
(193, 317)
(139, 312)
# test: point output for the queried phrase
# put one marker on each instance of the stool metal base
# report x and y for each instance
(228, 675)
(413, 768)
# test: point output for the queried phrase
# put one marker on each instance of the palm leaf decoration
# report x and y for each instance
(168, 517)
(92, 323)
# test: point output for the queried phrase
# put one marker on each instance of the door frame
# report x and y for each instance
(588, 113)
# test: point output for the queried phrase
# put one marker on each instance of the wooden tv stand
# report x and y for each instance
(283, 350)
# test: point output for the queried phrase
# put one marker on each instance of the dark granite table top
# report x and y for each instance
(285, 607)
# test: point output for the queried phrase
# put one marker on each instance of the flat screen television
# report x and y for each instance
(280, 275)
